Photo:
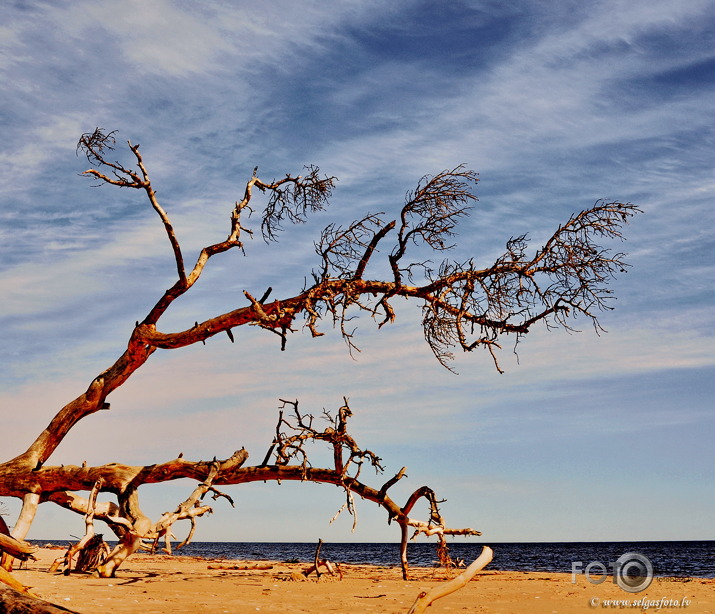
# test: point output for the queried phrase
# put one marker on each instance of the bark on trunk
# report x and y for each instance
(12, 602)
(7, 578)
(92, 555)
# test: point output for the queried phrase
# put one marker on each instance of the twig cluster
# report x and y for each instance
(295, 432)
(347, 454)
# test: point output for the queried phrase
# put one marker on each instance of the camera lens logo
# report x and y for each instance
(633, 572)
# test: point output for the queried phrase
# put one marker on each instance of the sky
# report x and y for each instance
(585, 437)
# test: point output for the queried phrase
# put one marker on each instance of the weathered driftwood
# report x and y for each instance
(11, 549)
(17, 548)
(317, 562)
(92, 555)
(89, 558)
(13, 602)
(425, 599)
(289, 443)
(7, 578)
(331, 568)
(88, 545)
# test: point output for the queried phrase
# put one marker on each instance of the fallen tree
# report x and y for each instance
(463, 306)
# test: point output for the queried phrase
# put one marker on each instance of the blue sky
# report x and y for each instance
(556, 105)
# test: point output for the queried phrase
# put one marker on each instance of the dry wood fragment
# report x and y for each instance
(425, 599)
(12, 602)
(18, 548)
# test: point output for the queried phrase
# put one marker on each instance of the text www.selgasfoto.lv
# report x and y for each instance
(643, 603)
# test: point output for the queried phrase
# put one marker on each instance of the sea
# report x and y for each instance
(668, 558)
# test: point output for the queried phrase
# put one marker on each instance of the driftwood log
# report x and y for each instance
(8, 579)
(88, 548)
(10, 546)
(425, 599)
(10, 549)
(17, 548)
(13, 602)
(330, 567)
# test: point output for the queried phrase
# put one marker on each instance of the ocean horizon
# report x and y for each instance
(688, 558)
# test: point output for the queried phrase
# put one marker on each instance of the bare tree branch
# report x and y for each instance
(292, 198)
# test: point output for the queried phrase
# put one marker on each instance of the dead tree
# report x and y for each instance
(463, 306)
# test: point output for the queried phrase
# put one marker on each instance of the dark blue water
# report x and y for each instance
(669, 558)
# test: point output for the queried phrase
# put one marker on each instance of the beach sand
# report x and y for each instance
(163, 584)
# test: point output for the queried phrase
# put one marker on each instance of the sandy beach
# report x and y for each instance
(162, 584)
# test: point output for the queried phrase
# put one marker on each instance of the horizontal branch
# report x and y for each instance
(115, 477)
(18, 548)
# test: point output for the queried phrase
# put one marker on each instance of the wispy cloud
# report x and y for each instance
(555, 105)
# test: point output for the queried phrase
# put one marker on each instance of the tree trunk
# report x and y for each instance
(128, 545)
